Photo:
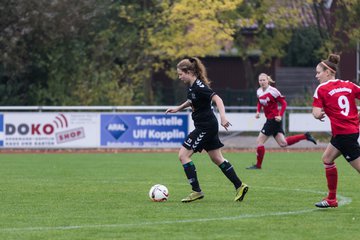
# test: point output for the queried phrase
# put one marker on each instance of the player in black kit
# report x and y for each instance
(205, 136)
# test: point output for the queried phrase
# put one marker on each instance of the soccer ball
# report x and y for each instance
(158, 193)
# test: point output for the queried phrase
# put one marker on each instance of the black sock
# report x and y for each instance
(230, 173)
(190, 171)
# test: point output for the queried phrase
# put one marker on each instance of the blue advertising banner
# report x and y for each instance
(1, 130)
(143, 130)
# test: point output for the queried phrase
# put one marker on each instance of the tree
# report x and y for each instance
(160, 32)
(340, 28)
(49, 57)
(92, 52)
(303, 47)
(196, 28)
(264, 30)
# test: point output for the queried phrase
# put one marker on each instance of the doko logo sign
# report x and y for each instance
(37, 130)
(143, 130)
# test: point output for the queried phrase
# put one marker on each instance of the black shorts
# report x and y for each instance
(348, 145)
(200, 139)
(272, 127)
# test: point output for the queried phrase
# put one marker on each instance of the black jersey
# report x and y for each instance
(200, 96)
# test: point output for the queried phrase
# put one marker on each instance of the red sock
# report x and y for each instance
(260, 152)
(332, 178)
(294, 139)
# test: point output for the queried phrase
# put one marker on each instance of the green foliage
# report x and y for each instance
(196, 28)
(44, 49)
(339, 31)
(264, 30)
(268, 23)
(91, 52)
(166, 31)
(302, 49)
(304, 101)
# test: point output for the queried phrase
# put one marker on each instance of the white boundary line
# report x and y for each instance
(342, 201)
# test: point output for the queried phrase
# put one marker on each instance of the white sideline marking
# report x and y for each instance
(341, 201)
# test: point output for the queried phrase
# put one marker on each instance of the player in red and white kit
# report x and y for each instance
(268, 99)
(335, 98)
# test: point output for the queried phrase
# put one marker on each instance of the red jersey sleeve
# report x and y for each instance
(258, 107)
(317, 99)
(356, 90)
(283, 103)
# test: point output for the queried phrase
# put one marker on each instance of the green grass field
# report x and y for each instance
(105, 196)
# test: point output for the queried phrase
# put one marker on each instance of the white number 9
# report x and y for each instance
(344, 105)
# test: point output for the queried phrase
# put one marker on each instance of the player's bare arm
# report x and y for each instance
(221, 108)
(179, 108)
(318, 113)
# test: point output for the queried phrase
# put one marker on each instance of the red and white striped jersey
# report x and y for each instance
(269, 100)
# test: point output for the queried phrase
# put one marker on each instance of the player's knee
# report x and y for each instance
(218, 160)
(183, 158)
(283, 144)
(180, 157)
(326, 159)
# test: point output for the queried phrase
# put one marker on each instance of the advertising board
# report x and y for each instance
(143, 130)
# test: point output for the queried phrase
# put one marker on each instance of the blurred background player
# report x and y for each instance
(205, 135)
(268, 99)
(337, 99)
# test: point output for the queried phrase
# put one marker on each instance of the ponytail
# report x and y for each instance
(267, 77)
(194, 65)
(331, 63)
